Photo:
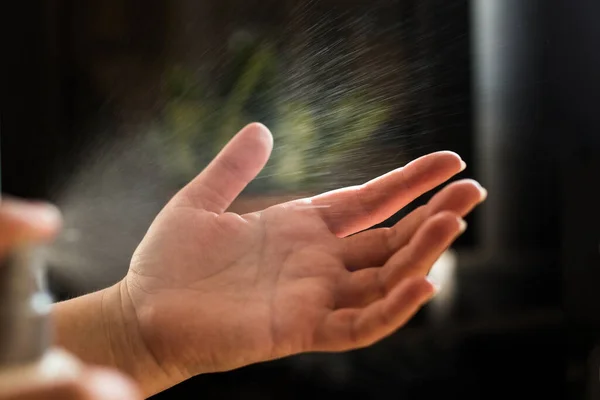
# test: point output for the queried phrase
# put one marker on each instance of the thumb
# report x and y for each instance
(240, 161)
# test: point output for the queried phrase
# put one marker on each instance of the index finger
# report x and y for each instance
(350, 210)
(22, 221)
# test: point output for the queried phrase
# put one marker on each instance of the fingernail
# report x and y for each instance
(463, 165)
(484, 193)
(264, 133)
(462, 225)
(436, 286)
(31, 213)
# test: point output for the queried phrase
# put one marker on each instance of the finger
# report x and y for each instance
(105, 384)
(373, 248)
(52, 391)
(351, 328)
(364, 286)
(240, 161)
(427, 245)
(347, 211)
(22, 221)
(95, 384)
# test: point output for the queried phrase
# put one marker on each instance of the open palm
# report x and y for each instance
(213, 291)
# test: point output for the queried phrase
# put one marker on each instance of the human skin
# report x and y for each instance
(210, 291)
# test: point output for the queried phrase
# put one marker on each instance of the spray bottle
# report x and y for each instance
(26, 354)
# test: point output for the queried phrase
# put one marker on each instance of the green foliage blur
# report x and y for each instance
(201, 115)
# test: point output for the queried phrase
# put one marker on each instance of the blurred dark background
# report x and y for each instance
(109, 107)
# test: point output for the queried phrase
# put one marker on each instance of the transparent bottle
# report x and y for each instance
(26, 354)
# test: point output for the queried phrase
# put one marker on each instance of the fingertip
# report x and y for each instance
(255, 145)
(459, 164)
(262, 133)
(481, 191)
(50, 217)
(26, 220)
(433, 288)
(483, 194)
(228, 174)
(408, 297)
(39, 214)
(453, 156)
(421, 289)
(462, 225)
(442, 164)
(447, 223)
(445, 218)
(461, 197)
(106, 384)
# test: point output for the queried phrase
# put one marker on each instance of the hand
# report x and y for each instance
(212, 291)
(88, 384)
(26, 222)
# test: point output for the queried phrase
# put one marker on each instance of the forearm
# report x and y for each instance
(101, 328)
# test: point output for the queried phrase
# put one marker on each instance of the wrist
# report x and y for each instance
(127, 345)
(101, 328)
